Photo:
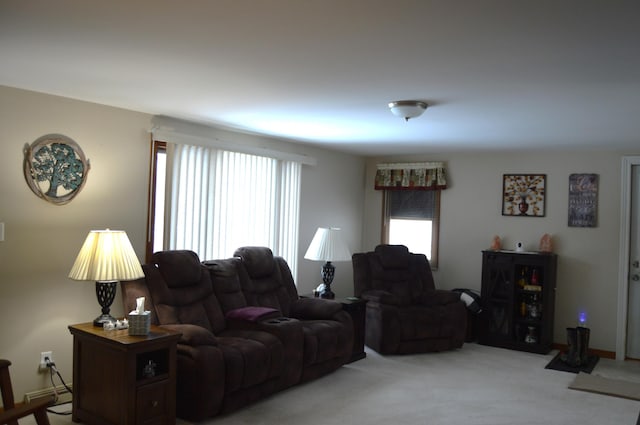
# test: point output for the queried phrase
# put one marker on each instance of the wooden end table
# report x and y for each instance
(356, 307)
(122, 379)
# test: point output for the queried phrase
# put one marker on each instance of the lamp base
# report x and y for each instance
(327, 273)
(327, 293)
(102, 319)
(106, 292)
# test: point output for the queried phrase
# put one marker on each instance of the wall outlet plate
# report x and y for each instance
(43, 356)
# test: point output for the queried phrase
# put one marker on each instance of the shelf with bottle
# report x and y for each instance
(530, 307)
(529, 279)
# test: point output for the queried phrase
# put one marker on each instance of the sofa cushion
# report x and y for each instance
(324, 340)
(418, 322)
(266, 280)
(228, 289)
(178, 268)
(258, 261)
(251, 357)
(393, 256)
(194, 303)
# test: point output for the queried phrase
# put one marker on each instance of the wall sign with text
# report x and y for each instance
(583, 200)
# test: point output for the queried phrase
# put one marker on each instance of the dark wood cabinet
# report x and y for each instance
(121, 379)
(518, 300)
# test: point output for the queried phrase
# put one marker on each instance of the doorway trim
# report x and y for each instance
(624, 251)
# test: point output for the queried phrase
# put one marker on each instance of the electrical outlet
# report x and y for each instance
(44, 355)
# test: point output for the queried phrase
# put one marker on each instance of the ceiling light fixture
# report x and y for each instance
(407, 108)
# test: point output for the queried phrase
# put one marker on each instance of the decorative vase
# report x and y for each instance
(523, 207)
(531, 337)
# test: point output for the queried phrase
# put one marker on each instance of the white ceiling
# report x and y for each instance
(501, 74)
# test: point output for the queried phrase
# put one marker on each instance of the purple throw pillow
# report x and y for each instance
(253, 314)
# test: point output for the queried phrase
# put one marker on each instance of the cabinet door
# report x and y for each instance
(497, 296)
(152, 404)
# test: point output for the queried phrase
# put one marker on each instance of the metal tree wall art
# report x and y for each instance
(55, 168)
(523, 195)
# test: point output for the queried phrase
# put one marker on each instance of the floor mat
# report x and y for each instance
(557, 364)
(613, 387)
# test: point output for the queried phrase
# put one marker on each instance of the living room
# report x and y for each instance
(41, 240)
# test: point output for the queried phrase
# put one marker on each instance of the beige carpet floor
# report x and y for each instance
(475, 385)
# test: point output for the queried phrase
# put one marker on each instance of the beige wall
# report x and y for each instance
(37, 300)
(471, 215)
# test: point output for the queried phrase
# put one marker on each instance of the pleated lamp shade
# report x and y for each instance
(106, 256)
(327, 245)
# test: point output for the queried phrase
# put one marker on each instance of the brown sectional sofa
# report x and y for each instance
(245, 331)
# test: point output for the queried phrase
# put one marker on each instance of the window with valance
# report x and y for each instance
(412, 205)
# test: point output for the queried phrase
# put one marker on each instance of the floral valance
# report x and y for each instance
(411, 176)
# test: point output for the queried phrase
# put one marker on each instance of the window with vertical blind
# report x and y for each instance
(216, 201)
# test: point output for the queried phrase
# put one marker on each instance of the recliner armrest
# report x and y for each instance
(440, 297)
(381, 297)
(314, 308)
(193, 335)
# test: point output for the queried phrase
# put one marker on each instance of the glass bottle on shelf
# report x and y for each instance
(534, 277)
(531, 337)
(522, 282)
(534, 307)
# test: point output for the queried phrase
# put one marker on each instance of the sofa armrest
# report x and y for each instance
(193, 335)
(314, 309)
(381, 297)
(440, 297)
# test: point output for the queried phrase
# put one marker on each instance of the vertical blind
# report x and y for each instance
(218, 201)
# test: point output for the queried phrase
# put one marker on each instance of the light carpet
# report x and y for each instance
(475, 385)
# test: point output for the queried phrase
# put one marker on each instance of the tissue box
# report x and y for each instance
(139, 324)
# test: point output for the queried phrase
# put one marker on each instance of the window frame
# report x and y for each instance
(156, 147)
(435, 231)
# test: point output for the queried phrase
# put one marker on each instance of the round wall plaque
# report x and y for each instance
(55, 168)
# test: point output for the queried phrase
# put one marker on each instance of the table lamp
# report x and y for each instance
(106, 257)
(327, 245)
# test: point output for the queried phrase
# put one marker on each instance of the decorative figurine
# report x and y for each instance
(149, 370)
(546, 244)
(496, 244)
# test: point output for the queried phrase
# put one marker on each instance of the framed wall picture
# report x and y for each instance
(523, 195)
(583, 200)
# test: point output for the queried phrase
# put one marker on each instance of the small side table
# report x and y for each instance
(356, 307)
(122, 379)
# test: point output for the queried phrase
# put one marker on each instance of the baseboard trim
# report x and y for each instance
(603, 354)
(64, 396)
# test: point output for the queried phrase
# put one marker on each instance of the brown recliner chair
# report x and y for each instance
(405, 312)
